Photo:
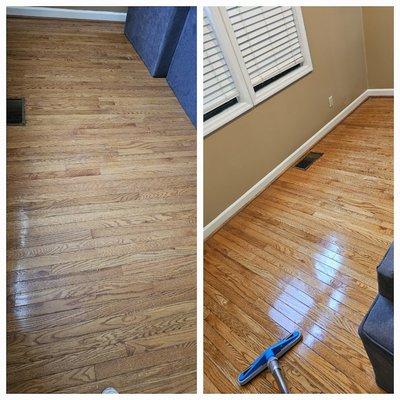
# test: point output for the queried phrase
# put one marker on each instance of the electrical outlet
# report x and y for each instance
(330, 101)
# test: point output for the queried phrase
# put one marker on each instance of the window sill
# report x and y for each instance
(227, 116)
(282, 83)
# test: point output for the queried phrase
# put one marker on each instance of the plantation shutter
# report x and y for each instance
(219, 87)
(268, 40)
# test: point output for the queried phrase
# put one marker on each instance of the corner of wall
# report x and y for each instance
(364, 47)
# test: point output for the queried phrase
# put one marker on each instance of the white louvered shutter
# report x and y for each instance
(268, 40)
(219, 87)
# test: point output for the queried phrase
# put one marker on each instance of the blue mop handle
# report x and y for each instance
(277, 350)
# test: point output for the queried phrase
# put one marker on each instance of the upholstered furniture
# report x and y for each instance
(165, 39)
(376, 330)
(182, 71)
(154, 33)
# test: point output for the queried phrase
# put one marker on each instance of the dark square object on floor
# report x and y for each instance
(16, 111)
(306, 162)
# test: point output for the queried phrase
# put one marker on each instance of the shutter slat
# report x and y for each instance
(268, 40)
(263, 18)
(262, 30)
(217, 80)
(218, 101)
(260, 45)
(241, 13)
(218, 85)
(274, 54)
(272, 63)
(270, 73)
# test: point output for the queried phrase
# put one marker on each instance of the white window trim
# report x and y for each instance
(245, 100)
(248, 97)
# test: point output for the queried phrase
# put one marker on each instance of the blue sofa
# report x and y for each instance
(181, 75)
(165, 39)
(377, 329)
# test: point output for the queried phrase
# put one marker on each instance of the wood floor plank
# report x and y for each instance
(288, 307)
(39, 328)
(175, 327)
(296, 365)
(302, 255)
(146, 380)
(101, 217)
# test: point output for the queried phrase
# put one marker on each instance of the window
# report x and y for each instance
(250, 53)
(220, 91)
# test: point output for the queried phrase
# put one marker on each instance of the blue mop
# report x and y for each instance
(269, 359)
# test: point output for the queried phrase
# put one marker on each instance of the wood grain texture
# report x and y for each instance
(101, 221)
(302, 255)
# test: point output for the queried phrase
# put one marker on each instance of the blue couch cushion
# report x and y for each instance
(154, 33)
(182, 71)
(385, 274)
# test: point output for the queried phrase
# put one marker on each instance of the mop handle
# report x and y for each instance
(273, 366)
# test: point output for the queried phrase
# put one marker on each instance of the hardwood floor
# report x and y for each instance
(101, 221)
(303, 255)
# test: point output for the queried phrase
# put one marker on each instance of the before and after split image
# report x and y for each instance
(199, 199)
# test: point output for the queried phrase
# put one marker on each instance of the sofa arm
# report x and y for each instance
(154, 33)
(182, 72)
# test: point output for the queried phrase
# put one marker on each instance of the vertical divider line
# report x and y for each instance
(396, 192)
(3, 197)
(199, 202)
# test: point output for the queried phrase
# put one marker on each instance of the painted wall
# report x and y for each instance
(239, 154)
(378, 36)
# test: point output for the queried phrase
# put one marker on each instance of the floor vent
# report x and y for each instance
(308, 160)
(16, 111)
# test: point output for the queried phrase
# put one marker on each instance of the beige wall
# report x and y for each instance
(378, 36)
(239, 154)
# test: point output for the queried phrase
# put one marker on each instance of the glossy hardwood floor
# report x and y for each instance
(302, 255)
(101, 218)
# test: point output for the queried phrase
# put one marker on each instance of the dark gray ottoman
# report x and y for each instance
(376, 330)
(386, 276)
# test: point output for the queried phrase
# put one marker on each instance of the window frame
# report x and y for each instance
(248, 98)
(245, 101)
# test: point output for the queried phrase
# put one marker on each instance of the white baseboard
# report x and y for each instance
(229, 212)
(379, 92)
(47, 12)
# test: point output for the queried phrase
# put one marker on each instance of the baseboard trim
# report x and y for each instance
(379, 92)
(64, 13)
(235, 207)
